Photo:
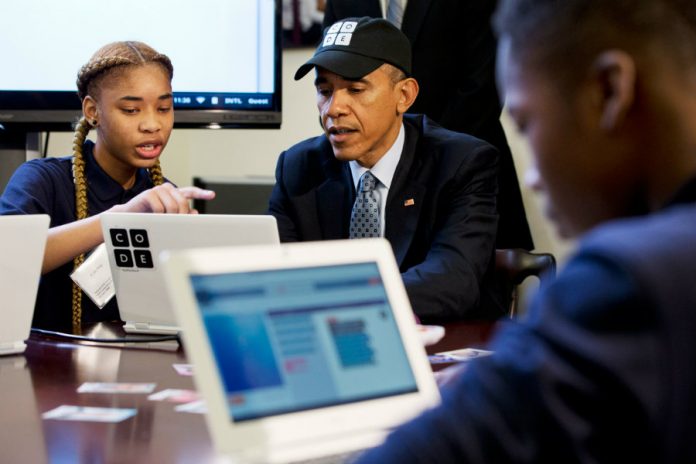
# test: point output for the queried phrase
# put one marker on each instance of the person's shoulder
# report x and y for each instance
(636, 271)
(677, 222)
(662, 238)
(51, 162)
(312, 148)
(312, 144)
(47, 168)
(431, 135)
(37, 185)
(450, 151)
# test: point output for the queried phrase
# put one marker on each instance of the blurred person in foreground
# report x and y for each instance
(603, 370)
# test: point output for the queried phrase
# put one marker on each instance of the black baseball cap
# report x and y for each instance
(354, 47)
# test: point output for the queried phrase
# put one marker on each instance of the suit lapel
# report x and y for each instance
(414, 16)
(405, 199)
(334, 200)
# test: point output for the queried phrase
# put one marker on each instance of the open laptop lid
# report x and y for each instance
(21, 255)
(302, 350)
(134, 242)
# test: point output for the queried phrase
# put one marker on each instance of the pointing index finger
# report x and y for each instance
(196, 193)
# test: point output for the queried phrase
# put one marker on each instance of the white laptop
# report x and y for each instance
(22, 244)
(134, 242)
(300, 351)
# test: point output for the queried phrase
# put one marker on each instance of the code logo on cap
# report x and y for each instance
(340, 34)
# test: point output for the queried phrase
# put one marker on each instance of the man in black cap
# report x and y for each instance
(453, 55)
(431, 192)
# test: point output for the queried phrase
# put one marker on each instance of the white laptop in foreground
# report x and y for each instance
(300, 351)
(134, 242)
(21, 255)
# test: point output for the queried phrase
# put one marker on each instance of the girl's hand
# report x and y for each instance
(165, 198)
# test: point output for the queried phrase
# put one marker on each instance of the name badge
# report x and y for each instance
(94, 277)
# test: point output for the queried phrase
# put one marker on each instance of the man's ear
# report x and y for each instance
(89, 108)
(408, 91)
(615, 73)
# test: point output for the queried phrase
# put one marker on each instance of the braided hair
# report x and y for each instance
(107, 60)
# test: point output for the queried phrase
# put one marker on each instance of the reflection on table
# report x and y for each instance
(48, 374)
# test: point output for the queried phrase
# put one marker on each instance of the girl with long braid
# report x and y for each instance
(126, 95)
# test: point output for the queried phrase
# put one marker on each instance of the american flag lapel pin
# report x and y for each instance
(409, 202)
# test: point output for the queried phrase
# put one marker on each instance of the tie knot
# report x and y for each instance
(367, 182)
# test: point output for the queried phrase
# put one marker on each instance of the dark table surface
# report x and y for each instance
(48, 374)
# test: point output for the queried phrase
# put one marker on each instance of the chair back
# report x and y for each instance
(514, 265)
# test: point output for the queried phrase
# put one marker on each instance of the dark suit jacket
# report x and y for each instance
(603, 370)
(454, 62)
(443, 243)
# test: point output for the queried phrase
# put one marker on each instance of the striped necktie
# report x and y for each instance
(395, 12)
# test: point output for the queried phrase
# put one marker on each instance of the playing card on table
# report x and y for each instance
(195, 407)
(461, 355)
(116, 387)
(89, 414)
(183, 369)
(174, 395)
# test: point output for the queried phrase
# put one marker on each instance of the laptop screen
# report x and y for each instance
(289, 340)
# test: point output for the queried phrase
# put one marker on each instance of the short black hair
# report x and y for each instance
(395, 74)
(572, 32)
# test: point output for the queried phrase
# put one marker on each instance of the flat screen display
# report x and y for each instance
(226, 57)
(290, 340)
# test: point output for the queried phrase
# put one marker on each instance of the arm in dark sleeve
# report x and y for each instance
(279, 205)
(29, 191)
(577, 382)
(447, 283)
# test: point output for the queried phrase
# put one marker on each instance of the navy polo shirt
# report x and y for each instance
(45, 186)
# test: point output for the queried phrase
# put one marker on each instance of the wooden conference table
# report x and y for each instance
(48, 374)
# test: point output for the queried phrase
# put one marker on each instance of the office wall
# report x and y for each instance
(545, 237)
(254, 152)
(235, 152)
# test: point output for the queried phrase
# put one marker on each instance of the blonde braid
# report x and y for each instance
(78, 165)
(156, 173)
(94, 68)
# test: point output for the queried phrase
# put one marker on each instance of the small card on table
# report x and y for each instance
(456, 356)
(174, 395)
(116, 387)
(194, 407)
(89, 414)
(183, 369)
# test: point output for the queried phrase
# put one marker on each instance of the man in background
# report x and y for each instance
(454, 62)
(603, 370)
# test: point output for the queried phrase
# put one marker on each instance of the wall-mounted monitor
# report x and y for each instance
(226, 56)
